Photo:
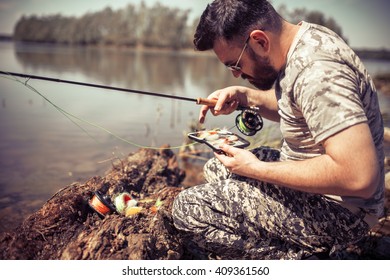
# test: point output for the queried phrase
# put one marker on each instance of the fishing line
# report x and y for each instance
(70, 116)
(101, 204)
(249, 122)
(63, 112)
(199, 101)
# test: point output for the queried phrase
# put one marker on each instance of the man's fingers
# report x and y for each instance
(202, 113)
(229, 150)
(220, 103)
(224, 105)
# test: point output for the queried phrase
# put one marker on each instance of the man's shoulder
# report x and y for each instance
(319, 47)
(320, 43)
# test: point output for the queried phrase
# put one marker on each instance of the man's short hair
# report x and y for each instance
(230, 19)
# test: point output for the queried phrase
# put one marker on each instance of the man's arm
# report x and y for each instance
(348, 168)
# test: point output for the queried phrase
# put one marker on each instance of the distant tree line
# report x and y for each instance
(156, 26)
(302, 14)
(382, 54)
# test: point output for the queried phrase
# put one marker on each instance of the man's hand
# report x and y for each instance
(228, 99)
(349, 167)
(238, 161)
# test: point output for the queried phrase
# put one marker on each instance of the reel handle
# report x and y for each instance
(205, 101)
(212, 103)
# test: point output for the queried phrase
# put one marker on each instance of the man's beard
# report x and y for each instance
(266, 74)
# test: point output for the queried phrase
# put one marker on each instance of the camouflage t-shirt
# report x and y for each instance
(323, 90)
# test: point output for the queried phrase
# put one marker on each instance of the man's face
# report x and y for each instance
(264, 74)
(256, 69)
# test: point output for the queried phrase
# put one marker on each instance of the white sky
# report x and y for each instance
(365, 23)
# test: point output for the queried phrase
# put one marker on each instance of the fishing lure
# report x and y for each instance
(216, 137)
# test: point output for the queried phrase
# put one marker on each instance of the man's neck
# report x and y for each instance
(286, 38)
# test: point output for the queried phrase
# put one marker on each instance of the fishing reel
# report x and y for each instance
(249, 122)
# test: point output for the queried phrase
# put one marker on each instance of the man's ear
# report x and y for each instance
(262, 40)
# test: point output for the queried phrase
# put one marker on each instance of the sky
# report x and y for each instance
(365, 23)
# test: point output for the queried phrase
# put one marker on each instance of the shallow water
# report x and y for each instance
(41, 150)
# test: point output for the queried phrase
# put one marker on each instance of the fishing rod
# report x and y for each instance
(199, 101)
(249, 122)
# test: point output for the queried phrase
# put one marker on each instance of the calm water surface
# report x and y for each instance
(41, 150)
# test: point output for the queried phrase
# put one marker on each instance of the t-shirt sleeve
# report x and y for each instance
(327, 94)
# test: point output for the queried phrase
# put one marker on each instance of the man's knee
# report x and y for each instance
(190, 211)
(181, 211)
(215, 171)
(177, 204)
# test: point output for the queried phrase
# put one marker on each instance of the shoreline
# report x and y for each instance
(382, 83)
(363, 53)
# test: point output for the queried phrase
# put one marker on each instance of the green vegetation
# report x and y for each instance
(301, 14)
(382, 54)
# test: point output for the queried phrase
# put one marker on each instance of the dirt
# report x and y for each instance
(66, 227)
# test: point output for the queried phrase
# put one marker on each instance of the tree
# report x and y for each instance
(158, 26)
(317, 17)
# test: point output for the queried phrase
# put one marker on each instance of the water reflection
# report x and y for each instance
(158, 71)
(175, 73)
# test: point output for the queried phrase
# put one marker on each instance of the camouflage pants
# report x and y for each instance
(239, 218)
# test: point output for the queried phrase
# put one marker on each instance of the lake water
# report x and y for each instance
(42, 150)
